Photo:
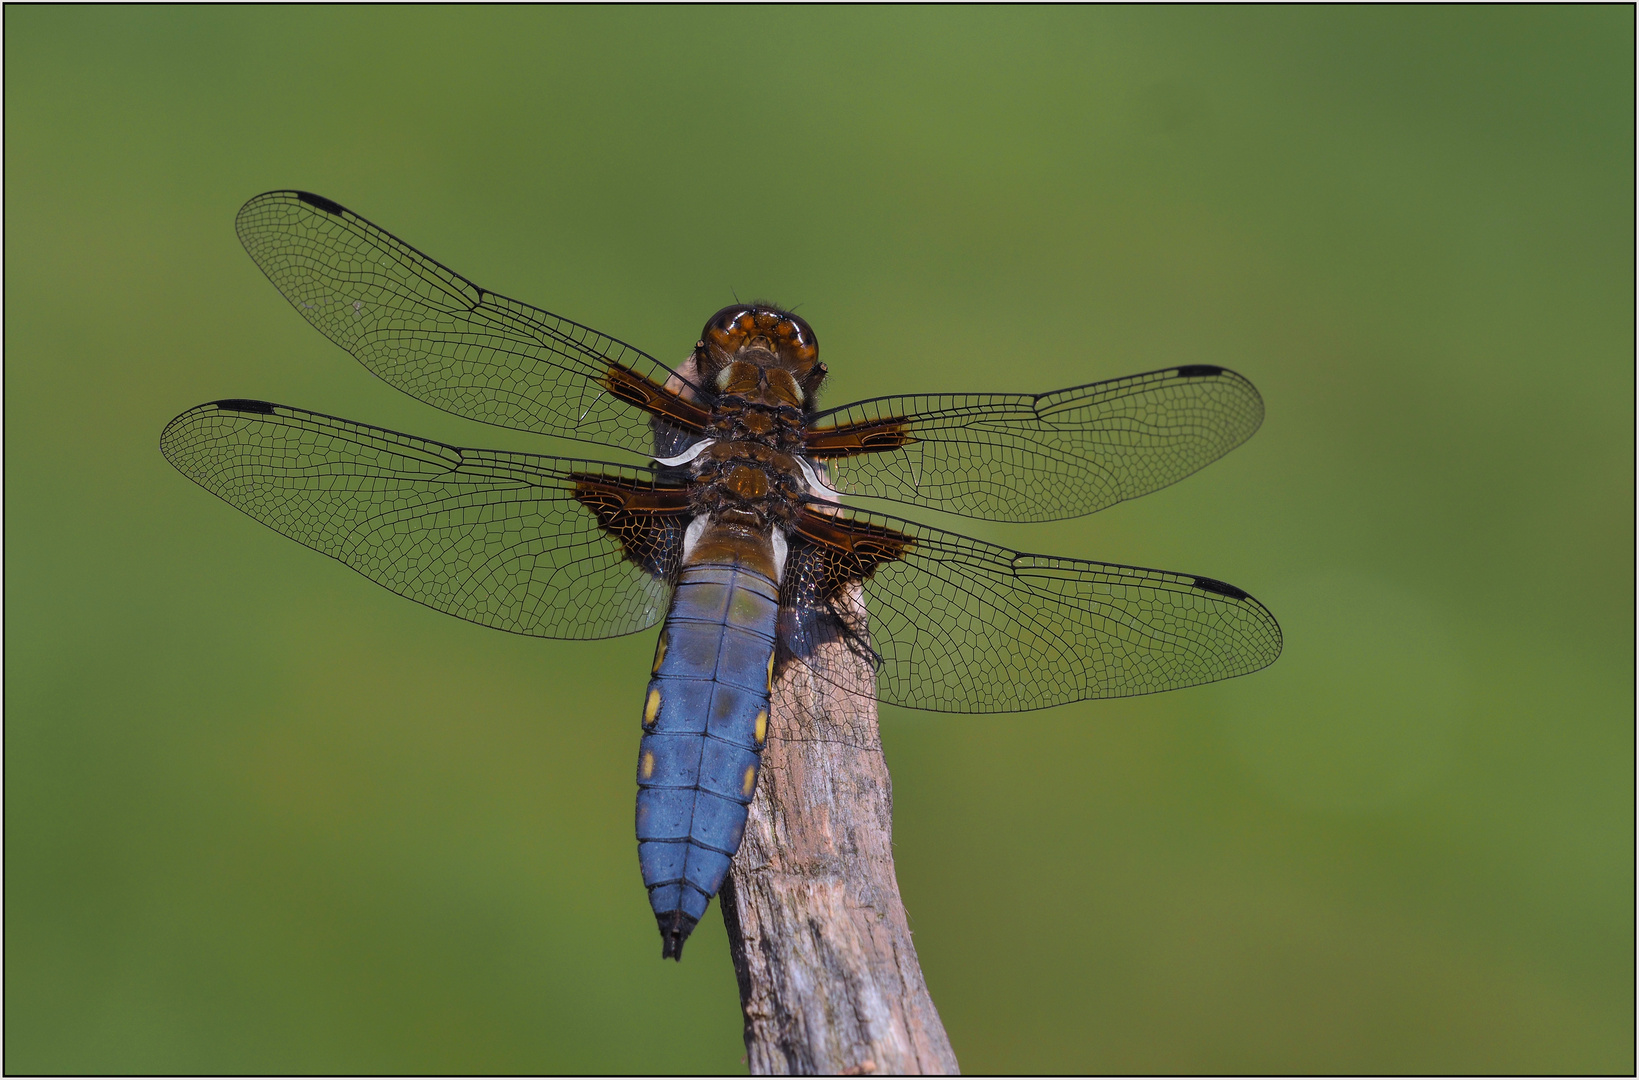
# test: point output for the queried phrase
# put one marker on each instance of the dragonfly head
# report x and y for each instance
(760, 352)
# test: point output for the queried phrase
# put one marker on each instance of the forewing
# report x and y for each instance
(959, 625)
(1024, 457)
(438, 337)
(543, 546)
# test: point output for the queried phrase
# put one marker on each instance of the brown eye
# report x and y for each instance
(803, 334)
(721, 329)
(740, 326)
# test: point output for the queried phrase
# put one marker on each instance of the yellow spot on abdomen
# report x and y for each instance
(651, 708)
(646, 770)
(750, 780)
(771, 671)
(660, 652)
(762, 726)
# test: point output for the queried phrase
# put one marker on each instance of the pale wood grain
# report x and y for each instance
(829, 980)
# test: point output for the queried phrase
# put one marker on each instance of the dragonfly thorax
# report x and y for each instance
(747, 482)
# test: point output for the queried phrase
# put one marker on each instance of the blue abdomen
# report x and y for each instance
(705, 719)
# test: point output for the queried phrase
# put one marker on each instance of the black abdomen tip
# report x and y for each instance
(675, 928)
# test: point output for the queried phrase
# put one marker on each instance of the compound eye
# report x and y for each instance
(723, 330)
(728, 316)
(799, 339)
(743, 326)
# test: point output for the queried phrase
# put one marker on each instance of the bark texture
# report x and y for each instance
(829, 980)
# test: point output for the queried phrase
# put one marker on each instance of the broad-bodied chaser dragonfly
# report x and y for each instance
(735, 534)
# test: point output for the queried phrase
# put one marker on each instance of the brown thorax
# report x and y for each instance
(749, 483)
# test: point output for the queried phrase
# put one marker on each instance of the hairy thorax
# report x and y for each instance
(761, 367)
(748, 483)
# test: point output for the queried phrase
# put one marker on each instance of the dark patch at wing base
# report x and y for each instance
(646, 394)
(827, 556)
(647, 520)
(863, 438)
(854, 549)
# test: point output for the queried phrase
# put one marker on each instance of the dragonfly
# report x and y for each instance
(732, 532)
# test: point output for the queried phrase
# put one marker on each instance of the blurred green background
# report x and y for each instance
(262, 815)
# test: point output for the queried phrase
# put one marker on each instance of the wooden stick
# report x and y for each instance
(829, 981)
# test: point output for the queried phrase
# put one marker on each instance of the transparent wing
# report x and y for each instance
(532, 545)
(1023, 457)
(438, 337)
(959, 625)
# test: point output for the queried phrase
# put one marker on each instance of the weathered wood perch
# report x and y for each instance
(829, 981)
